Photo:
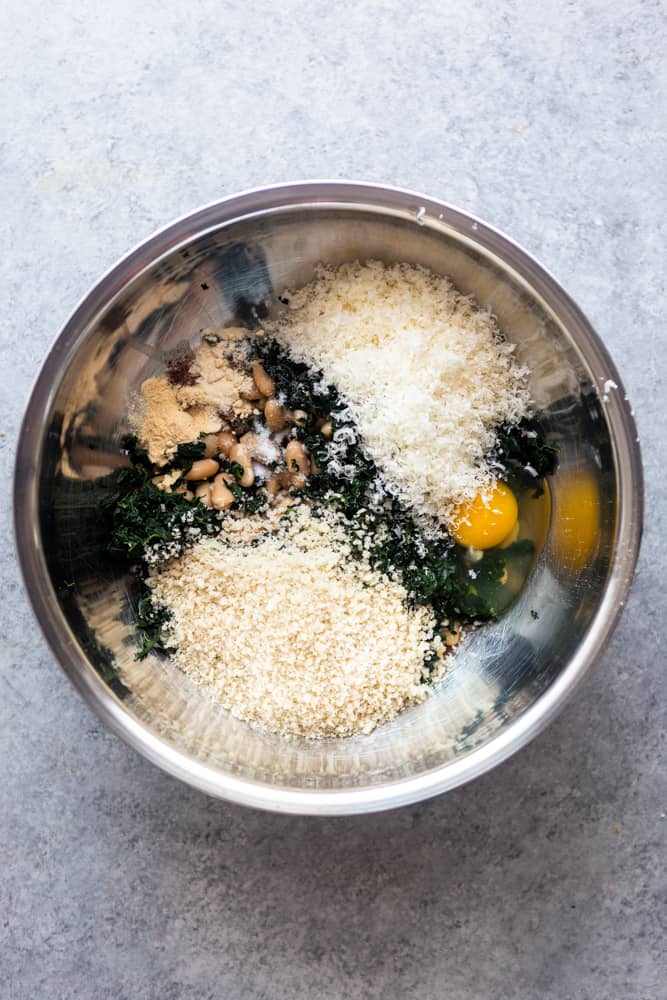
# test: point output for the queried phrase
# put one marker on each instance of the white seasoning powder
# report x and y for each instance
(290, 632)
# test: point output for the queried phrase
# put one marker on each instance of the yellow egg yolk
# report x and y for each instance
(487, 520)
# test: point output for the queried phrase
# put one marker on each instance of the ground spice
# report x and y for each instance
(179, 368)
(163, 423)
(200, 391)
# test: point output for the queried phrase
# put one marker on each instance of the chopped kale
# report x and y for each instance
(150, 620)
(187, 454)
(137, 454)
(431, 661)
(295, 384)
(250, 499)
(522, 450)
(237, 471)
(143, 515)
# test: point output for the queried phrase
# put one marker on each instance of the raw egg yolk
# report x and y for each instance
(487, 520)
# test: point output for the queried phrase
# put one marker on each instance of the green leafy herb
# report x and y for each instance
(522, 450)
(143, 516)
(237, 471)
(187, 454)
(431, 661)
(150, 620)
(137, 454)
(250, 499)
(295, 383)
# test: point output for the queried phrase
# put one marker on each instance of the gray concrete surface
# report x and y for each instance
(544, 879)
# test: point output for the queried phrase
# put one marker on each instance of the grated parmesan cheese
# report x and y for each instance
(424, 371)
(288, 631)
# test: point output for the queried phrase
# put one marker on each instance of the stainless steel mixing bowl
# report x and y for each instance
(224, 261)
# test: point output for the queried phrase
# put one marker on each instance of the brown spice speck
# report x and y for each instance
(179, 368)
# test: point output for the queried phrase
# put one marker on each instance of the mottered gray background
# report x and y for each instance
(545, 878)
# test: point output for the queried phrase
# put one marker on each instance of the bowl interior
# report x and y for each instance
(221, 275)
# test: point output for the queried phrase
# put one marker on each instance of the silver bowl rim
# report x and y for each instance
(61, 640)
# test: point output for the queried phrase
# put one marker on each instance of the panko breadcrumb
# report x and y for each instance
(289, 632)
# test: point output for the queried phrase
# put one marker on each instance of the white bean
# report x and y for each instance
(249, 391)
(298, 417)
(274, 414)
(240, 455)
(273, 485)
(221, 496)
(211, 449)
(184, 491)
(226, 441)
(203, 493)
(203, 468)
(263, 380)
(298, 464)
